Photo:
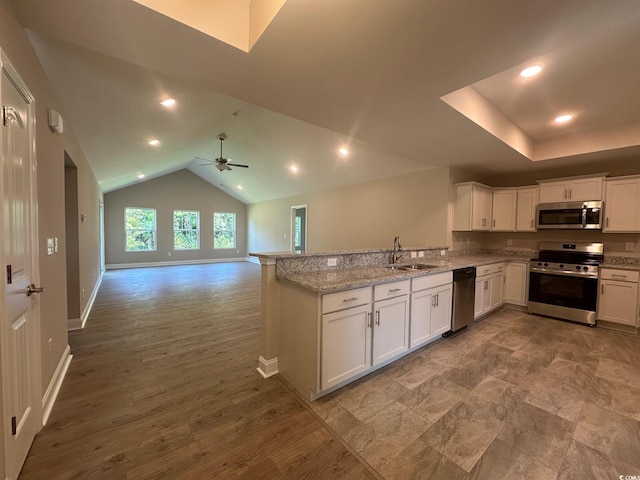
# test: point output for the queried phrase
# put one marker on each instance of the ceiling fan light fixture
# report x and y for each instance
(343, 151)
(168, 102)
(154, 142)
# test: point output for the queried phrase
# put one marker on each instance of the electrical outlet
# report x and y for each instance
(509, 242)
(420, 254)
(168, 254)
(284, 235)
(332, 262)
(629, 246)
(414, 254)
(82, 291)
(443, 252)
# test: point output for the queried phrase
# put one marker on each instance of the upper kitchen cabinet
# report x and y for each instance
(471, 207)
(622, 204)
(571, 189)
(503, 218)
(527, 200)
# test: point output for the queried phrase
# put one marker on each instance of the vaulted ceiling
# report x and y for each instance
(380, 78)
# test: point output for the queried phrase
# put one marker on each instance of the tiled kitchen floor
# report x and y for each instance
(514, 396)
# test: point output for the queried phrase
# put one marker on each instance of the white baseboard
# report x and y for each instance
(267, 368)
(114, 266)
(79, 323)
(49, 397)
(253, 260)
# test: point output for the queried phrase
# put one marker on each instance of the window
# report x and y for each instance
(186, 230)
(224, 230)
(140, 229)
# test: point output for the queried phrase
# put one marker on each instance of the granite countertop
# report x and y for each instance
(276, 255)
(621, 266)
(327, 281)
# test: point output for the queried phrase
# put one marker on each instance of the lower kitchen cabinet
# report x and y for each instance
(489, 288)
(346, 345)
(516, 283)
(390, 329)
(430, 307)
(618, 297)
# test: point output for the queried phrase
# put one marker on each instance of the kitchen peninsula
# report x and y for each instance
(330, 318)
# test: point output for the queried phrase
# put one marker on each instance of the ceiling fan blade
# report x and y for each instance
(238, 165)
(203, 159)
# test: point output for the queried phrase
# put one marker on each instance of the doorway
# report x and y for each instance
(299, 228)
(20, 367)
(72, 242)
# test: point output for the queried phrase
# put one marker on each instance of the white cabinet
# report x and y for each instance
(472, 207)
(504, 210)
(618, 297)
(516, 283)
(622, 205)
(391, 329)
(527, 200)
(346, 344)
(489, 288)
(356, 336)
(430, 307)
(571, 189)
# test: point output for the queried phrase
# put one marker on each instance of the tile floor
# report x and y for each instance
(515, 396)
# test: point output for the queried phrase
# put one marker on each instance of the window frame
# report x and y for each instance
(186, 230)
(233, 232)
(153, 231)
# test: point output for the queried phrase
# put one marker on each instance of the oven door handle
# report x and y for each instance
(584, 217)
(564, 273)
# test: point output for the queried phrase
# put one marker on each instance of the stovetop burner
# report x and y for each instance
(568, 258)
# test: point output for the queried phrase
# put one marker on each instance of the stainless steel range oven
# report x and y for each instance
(563, 281)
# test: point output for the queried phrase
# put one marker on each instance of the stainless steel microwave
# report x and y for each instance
(569, 215)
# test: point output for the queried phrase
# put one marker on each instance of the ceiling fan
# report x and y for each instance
(221, 163)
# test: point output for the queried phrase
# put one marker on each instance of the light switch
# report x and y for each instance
(629, 246)
(50, 246)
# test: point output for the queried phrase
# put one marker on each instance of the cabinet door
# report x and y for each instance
(585, 189)
(346, 344)
(622, 205)
(421, 303)
(515, 291)
(390, 332)
(618, 302)
(441, 311)
(553, 192)
(497, 286)
(504, 211)
(527, 200)
(481, 208)
(483, 296)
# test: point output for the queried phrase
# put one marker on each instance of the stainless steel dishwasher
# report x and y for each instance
(464, 292)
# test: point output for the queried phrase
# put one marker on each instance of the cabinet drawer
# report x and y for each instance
(489, 269)
(390, 290)
(332, 302)
(620, 275)
(430, 281)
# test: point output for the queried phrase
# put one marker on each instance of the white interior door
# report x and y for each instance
(19, 326)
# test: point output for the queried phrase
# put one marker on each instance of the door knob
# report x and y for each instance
(31, 289)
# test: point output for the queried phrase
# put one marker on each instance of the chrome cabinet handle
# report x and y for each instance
(348, 300)
(607, 222)
(569, 194)
(31, 289)
(602, 289)
(378, 317)
(394, 290)
(617, 275)
(370, 321)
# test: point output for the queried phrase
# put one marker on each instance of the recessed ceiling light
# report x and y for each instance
(563, 118)
(239, 187)
(531, 71)
(169, 102)
(343, 151)
(294, 169)
(141, 176)
(154, 142)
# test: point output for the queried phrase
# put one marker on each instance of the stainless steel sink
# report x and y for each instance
(413, 266)
(418, 266)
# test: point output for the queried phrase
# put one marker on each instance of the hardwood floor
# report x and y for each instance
(163, 385)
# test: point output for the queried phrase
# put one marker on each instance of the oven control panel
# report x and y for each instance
(563, 268)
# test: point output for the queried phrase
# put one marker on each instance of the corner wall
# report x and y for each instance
(50, 150)
(362, 216)
(180, 190)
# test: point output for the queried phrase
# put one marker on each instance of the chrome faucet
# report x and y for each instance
(397, 250)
